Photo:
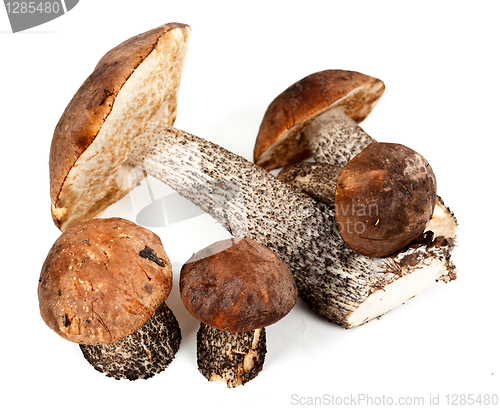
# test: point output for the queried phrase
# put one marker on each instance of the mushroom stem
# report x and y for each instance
(333, 137)
(332, 279)
(231, 357)
(318, 180)
(247, 200)
(142, 354)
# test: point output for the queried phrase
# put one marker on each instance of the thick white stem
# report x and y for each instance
(335, 138)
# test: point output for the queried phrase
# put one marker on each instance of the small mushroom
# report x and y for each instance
(236, 288)
(318, 115)
(93, 163)
(103, 285)
(384, 199)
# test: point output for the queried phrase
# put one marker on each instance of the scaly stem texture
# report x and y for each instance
(335, 138)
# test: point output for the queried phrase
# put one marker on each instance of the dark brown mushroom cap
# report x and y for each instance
(280, 141)
(127, 88)
(384, 198)
(102, 280)
(237, 285)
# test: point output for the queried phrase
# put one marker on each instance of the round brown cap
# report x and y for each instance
(102, 280)
(280, 141)
(384, 198)
(237, 285)
(132, 83)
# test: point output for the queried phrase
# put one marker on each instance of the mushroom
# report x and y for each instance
(103, 285)
(318, 115)
(236, 288)
(244, 198)
(384, 198)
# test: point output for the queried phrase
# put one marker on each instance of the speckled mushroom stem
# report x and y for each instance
(142, 354)
(318, 180)
(332, 279)
(335, 138)
(230, 357)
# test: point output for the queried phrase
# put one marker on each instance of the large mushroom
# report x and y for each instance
(103, 285)
(244, 198)
(236, 288)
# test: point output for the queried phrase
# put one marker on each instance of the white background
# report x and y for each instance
(439, 61)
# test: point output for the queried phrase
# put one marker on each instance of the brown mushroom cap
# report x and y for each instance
(280, 141)
(102, 280)
(237, 285)
(131, 83)
(384, 198)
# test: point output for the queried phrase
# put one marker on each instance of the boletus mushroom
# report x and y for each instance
(384, 199)
(103, 285)
(244, 198)
(236, 288)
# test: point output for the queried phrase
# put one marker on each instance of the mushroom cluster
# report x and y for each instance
(355, 234)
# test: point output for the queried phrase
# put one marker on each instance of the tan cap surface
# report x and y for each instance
(237, 285)
(280, 141)
(129, 85)
(102, 280)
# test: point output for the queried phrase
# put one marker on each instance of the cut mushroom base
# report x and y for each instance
(232, 358)
(332, 279)
(142, 354)
(413, 271)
